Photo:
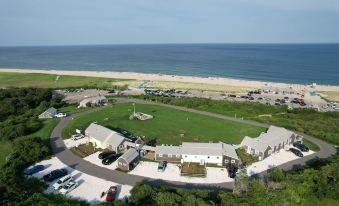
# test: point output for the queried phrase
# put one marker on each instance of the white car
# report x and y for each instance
(62, 182)
(61, 115)
(68, 187)
(77, 136)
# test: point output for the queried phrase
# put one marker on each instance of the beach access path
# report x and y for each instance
(67, 157)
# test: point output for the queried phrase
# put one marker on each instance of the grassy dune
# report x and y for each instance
(12, 79)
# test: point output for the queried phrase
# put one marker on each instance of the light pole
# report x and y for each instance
(133, 109)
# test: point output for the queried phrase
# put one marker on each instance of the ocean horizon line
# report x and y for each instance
(173, 43)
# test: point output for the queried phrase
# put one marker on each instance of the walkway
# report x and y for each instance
(67, 157)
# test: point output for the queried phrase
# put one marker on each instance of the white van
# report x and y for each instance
(62, 181)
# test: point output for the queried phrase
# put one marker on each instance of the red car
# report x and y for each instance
(110, 197)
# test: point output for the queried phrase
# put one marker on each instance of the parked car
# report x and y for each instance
(68, 187)
(103, 155)
(232, 171)
(55, 174)
(34, 169)
(162, 166)
(296, 152)
(60, 115)
(301, 146)
(62, 182)
(77, 136)
(111, 193)
(110, 159)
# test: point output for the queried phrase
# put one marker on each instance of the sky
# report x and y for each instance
(85, 22)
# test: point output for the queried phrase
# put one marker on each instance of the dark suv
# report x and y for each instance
(110, 159)
(55, 174)
(301, 147)
(232, 170)
(103, 155)
(296, 152)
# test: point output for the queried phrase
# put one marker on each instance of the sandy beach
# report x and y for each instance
(202, 81)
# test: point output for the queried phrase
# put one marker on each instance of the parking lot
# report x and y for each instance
(89, 189)
(76, 95)
(172, 173)
(273, 160)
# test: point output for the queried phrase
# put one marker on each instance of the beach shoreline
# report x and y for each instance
(218, 81)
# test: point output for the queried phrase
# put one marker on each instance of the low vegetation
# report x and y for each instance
(193, 169)
(323, 125)
(311, 145)
(169, 126)
(317, 182)
(245, 158)
(84, 150)
(9, 79)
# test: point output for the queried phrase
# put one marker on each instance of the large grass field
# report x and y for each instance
(167, 126)
(12, 79)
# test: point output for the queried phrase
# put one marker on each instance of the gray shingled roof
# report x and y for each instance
(174, 150)
(104, 135)
(52, 110)
(273, 137)
(213, 149)
(130, 155)
(93, 99)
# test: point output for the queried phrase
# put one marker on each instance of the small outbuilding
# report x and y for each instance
(93, 101)
(128, 160)
(49, 113)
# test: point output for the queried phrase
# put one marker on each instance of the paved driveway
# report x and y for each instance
(67, 157)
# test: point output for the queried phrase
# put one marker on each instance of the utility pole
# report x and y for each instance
(134, 109)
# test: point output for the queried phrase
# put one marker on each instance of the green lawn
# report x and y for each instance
(9, 79)
(167, 126)
(72, 109)
(46, 130)
(311, 145)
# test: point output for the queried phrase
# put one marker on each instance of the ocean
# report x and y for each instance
(288, 63)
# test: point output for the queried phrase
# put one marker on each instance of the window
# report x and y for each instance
(217, 157)
(169, 155)
(178, 156)
(160, 155)
(226, 161)
(186, 156)
(232, 161)
(195, 156)
(208, 157)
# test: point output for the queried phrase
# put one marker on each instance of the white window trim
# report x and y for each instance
(160, 155)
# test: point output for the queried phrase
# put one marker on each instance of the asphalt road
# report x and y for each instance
(67, 157)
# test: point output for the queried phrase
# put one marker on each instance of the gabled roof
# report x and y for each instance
(93, 99)
(104, 135)
(193, 148)
(273, 137)
(213, 149)
(174, 150)
(229, 151)
(130, 155)
(52, 110)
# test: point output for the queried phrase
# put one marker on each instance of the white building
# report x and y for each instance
(102, 137)
(93, 101)
(49, 113)
(275, 139)
(209, 153)
(202, 153)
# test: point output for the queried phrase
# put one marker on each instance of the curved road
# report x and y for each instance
(67, 157)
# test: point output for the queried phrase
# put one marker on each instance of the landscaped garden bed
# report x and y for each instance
(193, 169)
